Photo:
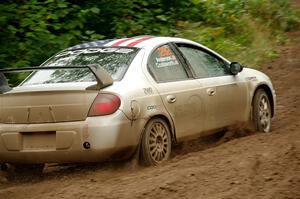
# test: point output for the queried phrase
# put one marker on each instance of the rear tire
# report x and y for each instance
(261, 114)
(155, 143)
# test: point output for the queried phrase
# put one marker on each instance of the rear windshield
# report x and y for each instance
(114, 60)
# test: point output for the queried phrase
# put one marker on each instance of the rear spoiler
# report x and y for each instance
(103, 78)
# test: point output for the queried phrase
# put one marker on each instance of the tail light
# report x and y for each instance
(104, 104)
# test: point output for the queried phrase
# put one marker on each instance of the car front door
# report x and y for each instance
(179, 92)
(224, 95)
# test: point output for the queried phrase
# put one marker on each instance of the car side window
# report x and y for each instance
(164, 66)
(203, 64)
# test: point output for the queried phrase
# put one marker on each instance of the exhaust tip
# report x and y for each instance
(86, 145)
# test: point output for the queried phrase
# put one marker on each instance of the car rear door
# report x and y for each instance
(179, 92)
(224, 95)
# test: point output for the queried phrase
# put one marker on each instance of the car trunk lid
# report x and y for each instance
(46, 103)
(50, 102)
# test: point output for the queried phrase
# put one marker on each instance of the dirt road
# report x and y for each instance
(246, 165)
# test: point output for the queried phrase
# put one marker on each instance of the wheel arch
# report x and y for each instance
(268, 91)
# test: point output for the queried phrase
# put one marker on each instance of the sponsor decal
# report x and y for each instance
(152, 107)
(148, 91)
(95, 50)
(165, 57)
(164, 51)
(166, 61)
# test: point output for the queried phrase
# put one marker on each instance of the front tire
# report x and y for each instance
(261, 114)
(155, 143)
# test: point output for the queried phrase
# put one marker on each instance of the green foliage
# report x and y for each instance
(33, 30)
(242, 30)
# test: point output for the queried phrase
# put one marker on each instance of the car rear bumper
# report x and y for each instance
(109, 137)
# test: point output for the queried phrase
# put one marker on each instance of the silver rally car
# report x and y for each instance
(108, 99)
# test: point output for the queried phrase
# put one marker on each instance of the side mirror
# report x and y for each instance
(235, 68)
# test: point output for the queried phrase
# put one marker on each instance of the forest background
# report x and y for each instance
(248, 31)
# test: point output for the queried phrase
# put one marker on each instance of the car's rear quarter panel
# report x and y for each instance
(140, 100)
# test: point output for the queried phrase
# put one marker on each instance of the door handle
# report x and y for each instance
(211, 91)
(171, 98)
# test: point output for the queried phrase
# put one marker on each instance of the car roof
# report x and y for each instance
(142, 41)
(147, 42)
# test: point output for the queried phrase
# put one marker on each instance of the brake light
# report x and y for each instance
(105, 104)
